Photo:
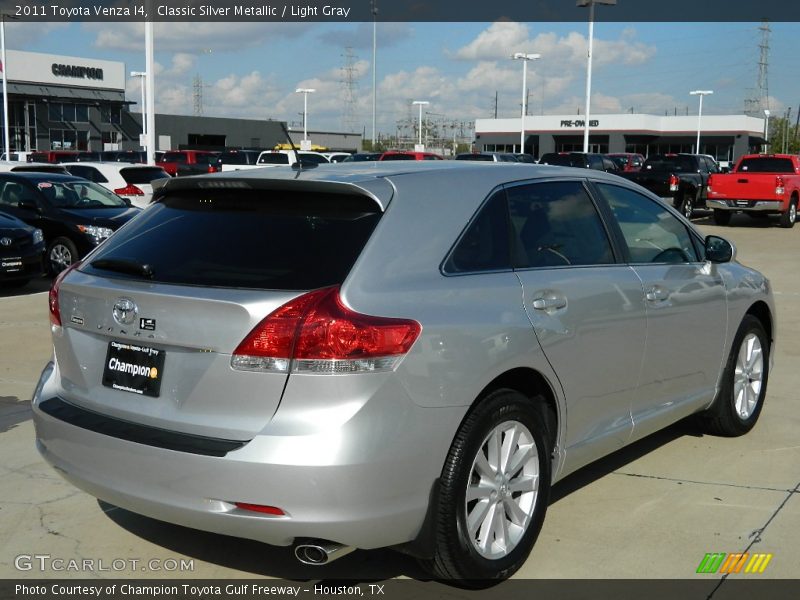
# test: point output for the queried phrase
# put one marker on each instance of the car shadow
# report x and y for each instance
(34, 286)
(739, 220)
(362, 566)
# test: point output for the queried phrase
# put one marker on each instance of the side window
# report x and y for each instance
(595, 162)
(10, 193)
(651, 232)
(485, 244)
(556, 224)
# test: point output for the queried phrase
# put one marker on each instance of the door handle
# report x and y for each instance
(549, 302)
(657, 294)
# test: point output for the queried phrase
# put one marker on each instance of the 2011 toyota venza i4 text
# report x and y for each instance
(386, 354)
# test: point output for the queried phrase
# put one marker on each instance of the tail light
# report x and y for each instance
(212, 169)
(316, 333)
(674, 182)
(260, 508)
(779, 186)
(129, 190)
(55, 311)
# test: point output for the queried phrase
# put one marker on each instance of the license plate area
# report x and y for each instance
(11, 265)
(134, 368)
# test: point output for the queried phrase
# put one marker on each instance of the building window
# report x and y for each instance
(82, 113)
(54, 112)
(68, 113)
(69, 139)
(111, 114)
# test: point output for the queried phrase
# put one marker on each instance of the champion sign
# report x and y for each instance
(77, 72)
(123, 367)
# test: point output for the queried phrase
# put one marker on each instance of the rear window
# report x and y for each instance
(269, 240)
(238, 158)
(564, 160)
(174, 157)
(142, 174)
(276, 158)
(205, 159)
(313, 159)
(767, 164)
(399, 157)
(677, 164)
(480, 157)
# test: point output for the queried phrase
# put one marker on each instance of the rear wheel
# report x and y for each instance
(687, 204)
(744, 382)
(494, 490)
(722, 217)
(790, 216)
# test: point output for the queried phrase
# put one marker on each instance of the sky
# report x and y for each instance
(252, 69)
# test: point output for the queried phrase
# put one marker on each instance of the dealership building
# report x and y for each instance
(726, 137)
(69, 103)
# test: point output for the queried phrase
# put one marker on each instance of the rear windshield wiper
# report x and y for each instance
(123, 265)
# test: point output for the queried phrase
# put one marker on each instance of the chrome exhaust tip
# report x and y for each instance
(320, 552)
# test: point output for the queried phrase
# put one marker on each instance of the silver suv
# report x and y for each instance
(391, 354)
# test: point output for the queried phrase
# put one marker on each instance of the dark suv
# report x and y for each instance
(75, 215)
(581, 160)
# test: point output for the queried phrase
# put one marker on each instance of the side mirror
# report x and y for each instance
(29, 205)
(719, 250)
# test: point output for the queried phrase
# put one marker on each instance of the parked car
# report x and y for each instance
(21, 251)
(53, 156)
(16, 156)
(408, 155)
(8, 166)
(128, 156)
(236, 160)
(580, 160)
(189, 162)
(679, 179)
(75, 215)
(525, 158)
(276, 158)
(393, 374)
(760, 185)
(363, 157)
(130, 181)
(488, 156)
(626, 161)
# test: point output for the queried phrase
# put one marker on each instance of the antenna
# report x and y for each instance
(349, 91)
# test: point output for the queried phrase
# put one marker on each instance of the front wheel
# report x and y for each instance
(495, 486)
(61, 253)
(744, 382)
(790, 216)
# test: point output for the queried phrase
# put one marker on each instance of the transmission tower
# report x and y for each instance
(756, 104)
(198, 85)
(349, 92)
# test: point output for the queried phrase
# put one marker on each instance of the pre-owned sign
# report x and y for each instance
(77, 72)
(579, 123)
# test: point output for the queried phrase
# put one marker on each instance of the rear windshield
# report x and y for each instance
(766, 164)
(564, 160)
(205, 159)
(679, 164)
(399, 157)
(176, 157)
(276, 158)
(313, 159)
(238, 158)
(265, 240)
(142, 174)
(483, 157)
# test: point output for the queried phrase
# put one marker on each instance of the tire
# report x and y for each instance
(496, 548)
(687, 205)
(722, 217)
(790, 216)
(744, 382)
(61, 253)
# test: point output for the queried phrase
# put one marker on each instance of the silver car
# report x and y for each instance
(391, 354)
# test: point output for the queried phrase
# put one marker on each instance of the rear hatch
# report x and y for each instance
(182, 286)
(142, 178)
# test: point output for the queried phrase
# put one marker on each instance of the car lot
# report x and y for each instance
(652, 510)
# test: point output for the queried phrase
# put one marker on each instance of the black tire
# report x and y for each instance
(722, 217)
(687, 204)
(790, 216)
(456, 556)
(723, 418)
(61, 253)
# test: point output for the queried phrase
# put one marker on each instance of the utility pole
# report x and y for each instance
(349, 89)
(755, 105)
(495, 104)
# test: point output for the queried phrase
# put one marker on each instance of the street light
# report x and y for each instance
(700, 93)
(590, 4)
(420, 103)
(143, 77)
(4, 66)
(766, 130)
(374, 8)
(305, 92)
(149, 69)
(524, 58)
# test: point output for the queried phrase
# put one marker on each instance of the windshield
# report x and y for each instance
(79, 194)
(273, 158)
(620, 161)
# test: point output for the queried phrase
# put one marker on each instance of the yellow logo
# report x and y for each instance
(153, 373)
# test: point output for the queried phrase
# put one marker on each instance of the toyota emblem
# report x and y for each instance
(6, 241)
(124, 311)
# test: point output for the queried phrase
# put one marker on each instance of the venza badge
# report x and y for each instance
(124, 311)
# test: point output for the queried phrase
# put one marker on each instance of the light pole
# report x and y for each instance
(700, 93)
(590, 4)
(142, 78)
(7, 147)
(151, 91)
(374, 4)
(766, 131)
(305, 92)
(420, 103)
(524, 58)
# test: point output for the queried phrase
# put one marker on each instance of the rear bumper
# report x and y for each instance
(371, 502)
(21, 267)
(774, 206)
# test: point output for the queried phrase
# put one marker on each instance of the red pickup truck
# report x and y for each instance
(189, 162)
(760, 185)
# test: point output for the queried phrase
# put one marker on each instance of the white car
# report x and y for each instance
(275, 158)
(7, 166)
(336, 157)
(130, 181)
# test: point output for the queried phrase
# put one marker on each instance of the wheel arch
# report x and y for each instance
(761, 311)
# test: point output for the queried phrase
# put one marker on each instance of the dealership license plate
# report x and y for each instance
(11, 265)
(134, 368)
